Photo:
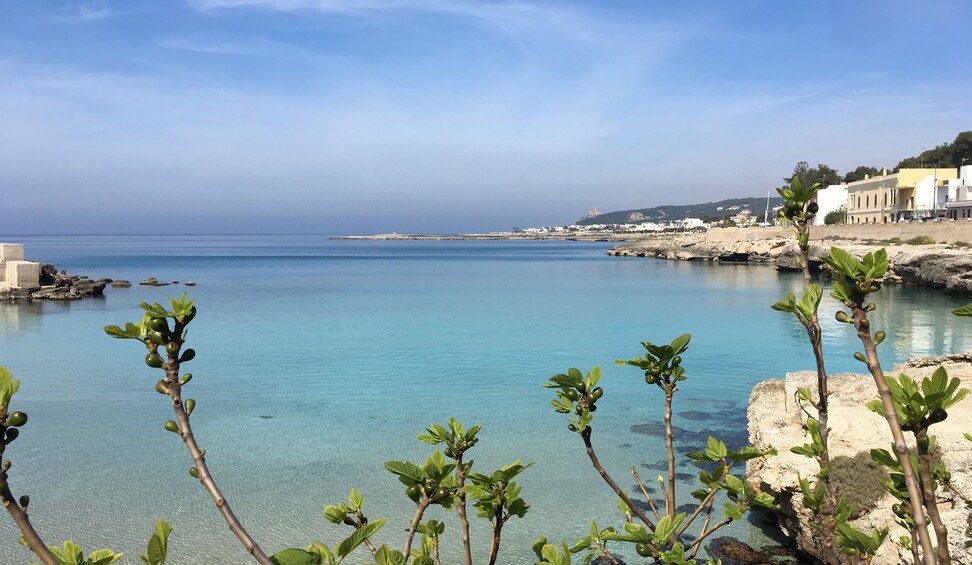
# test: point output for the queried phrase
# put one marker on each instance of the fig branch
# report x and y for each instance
(10, 423)
(154, 332)
(863, 327)
(586, 436)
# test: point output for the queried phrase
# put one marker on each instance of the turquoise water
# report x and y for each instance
(319, 360)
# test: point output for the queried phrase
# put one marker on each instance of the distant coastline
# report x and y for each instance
(935, 255)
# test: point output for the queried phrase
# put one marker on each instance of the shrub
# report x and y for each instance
(920, 240)
(859, 481)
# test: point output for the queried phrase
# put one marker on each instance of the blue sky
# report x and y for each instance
(443, 116)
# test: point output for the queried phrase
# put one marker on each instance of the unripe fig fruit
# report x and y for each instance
(172, 427)
(12, 434)
(185, 378)
(194, 472)
(643, 549)
(188, 355)
(413, 492)
(161, 388)
(17, 419)
(24, 501)
(153, 360)
(190, 406)
(440, 494)
(172, 348)
(813, 207)
(158, 324)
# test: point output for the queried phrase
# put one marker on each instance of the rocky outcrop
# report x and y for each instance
(775, 420)
(57, 285)
(946, 267)
(693, 247)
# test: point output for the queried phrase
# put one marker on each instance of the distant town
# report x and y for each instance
(907, 195)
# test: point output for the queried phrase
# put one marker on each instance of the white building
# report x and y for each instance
(830, 199)
(958, 204)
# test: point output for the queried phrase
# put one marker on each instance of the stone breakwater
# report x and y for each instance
(942, 266)
(775, 420)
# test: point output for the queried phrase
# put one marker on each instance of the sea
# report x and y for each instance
(318, 360)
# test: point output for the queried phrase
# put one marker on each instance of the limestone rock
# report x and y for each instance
(775, 420)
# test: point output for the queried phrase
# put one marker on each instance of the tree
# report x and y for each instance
(838, 216)
(821, 174)
(861, 172)
(962, 149)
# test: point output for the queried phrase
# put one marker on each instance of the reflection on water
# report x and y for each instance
(19, 316)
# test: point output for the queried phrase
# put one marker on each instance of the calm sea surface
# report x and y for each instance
(319, 360)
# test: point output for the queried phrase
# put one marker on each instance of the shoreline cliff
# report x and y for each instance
(915, 257)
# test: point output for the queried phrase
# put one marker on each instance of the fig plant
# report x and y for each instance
(830, 513)
(70, 553)
(665, 535)
(853, 280)
(918, 408)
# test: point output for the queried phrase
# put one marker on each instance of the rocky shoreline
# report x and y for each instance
(58, 285)
(940, 266)
(775, 420)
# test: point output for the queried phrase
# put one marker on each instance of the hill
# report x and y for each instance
(710, 211)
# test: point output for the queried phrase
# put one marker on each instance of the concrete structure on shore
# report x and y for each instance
(15, 272)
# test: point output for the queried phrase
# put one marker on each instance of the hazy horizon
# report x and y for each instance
(448, 116)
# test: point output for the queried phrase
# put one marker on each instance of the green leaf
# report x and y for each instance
(348, 544)
(333, 514)
(810, 301)
(844, 262)
(963, 310)
(389, 556)
(716, 449)
(295, 556)
(355, 500)
(157, 547)
(666, 527)
(680, 343)
(731, 511)
(102, 557)
(423, 560)
(405, 469)
(787, 304)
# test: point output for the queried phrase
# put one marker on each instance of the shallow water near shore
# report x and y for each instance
(319, 360)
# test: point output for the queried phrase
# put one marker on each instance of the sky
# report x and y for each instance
(448, 116)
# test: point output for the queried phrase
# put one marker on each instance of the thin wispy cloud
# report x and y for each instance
(96, 11)
(209, 47)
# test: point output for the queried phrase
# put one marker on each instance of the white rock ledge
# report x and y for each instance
(775, 420)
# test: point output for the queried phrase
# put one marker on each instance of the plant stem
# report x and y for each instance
(669, 445)
(199, 460)
(419, 512)
(461, 509)
(814, 334)
(928, 496)
(32, 540)
(706, 503)
(497, 531)
(862, 325)
(586, 434)
(644, 491)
